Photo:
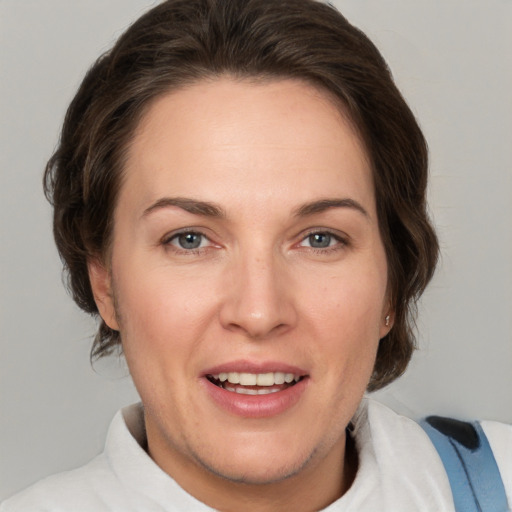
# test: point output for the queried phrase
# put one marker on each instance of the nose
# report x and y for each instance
(258, 299)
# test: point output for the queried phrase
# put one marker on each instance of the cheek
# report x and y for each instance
(349, 301)
(345, 314)
(160, 324)
(160, 309)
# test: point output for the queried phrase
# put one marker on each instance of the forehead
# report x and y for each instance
(251, 139)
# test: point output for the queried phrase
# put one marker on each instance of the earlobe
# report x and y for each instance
(387, 323)
(101, 284)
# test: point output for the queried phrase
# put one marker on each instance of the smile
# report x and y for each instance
(254, 383)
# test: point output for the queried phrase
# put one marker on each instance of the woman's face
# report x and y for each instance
(246, 247)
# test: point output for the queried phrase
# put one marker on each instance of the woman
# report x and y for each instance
(239, 193)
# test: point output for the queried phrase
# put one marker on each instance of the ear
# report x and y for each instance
(387, 321)
(101, 284)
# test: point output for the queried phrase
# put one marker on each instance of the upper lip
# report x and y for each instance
(244, 366)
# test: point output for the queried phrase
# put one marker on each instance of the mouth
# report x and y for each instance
(254, 383)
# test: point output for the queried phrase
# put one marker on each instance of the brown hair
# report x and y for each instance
(179, 42)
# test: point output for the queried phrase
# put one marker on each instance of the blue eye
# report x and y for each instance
(189, 240)
(320, 240)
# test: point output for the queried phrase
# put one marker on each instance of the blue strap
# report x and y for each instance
(470, 464)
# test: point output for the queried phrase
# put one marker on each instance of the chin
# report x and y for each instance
(256, 466)
(263, 475)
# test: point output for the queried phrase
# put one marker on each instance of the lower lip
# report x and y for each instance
(256, 406)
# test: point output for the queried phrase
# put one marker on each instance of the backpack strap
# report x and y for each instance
(470, 464)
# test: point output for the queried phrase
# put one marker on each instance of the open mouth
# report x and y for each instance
(255, 383)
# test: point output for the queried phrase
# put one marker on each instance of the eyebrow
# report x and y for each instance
(208, 209)
(326, 204)
(193, 206)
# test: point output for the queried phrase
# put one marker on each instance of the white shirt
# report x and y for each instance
(399, 470)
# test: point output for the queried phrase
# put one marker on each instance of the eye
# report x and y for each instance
(320, 240)
(188, 240)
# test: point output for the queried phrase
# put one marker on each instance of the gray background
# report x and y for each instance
(452, 60)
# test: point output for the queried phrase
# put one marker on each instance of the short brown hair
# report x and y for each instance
(179, 42)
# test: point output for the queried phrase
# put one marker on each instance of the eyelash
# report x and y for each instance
(341, 242)
(167, 241)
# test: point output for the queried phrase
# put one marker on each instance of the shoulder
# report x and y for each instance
(500, 439)
(399, 468)
(62, 492)
(397, 455)
(95, 486)
(121, 479)
(387, 428)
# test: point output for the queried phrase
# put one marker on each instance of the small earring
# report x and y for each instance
(387, 320)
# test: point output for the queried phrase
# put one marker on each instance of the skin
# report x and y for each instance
(255, 290)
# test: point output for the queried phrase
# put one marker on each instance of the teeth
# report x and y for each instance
(267, 391)
(248, 379)
(244, 391)
(279, 378)
(234, 378)
(265, 379)
(257, 379)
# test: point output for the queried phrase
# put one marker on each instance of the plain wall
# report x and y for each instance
(451, 59)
